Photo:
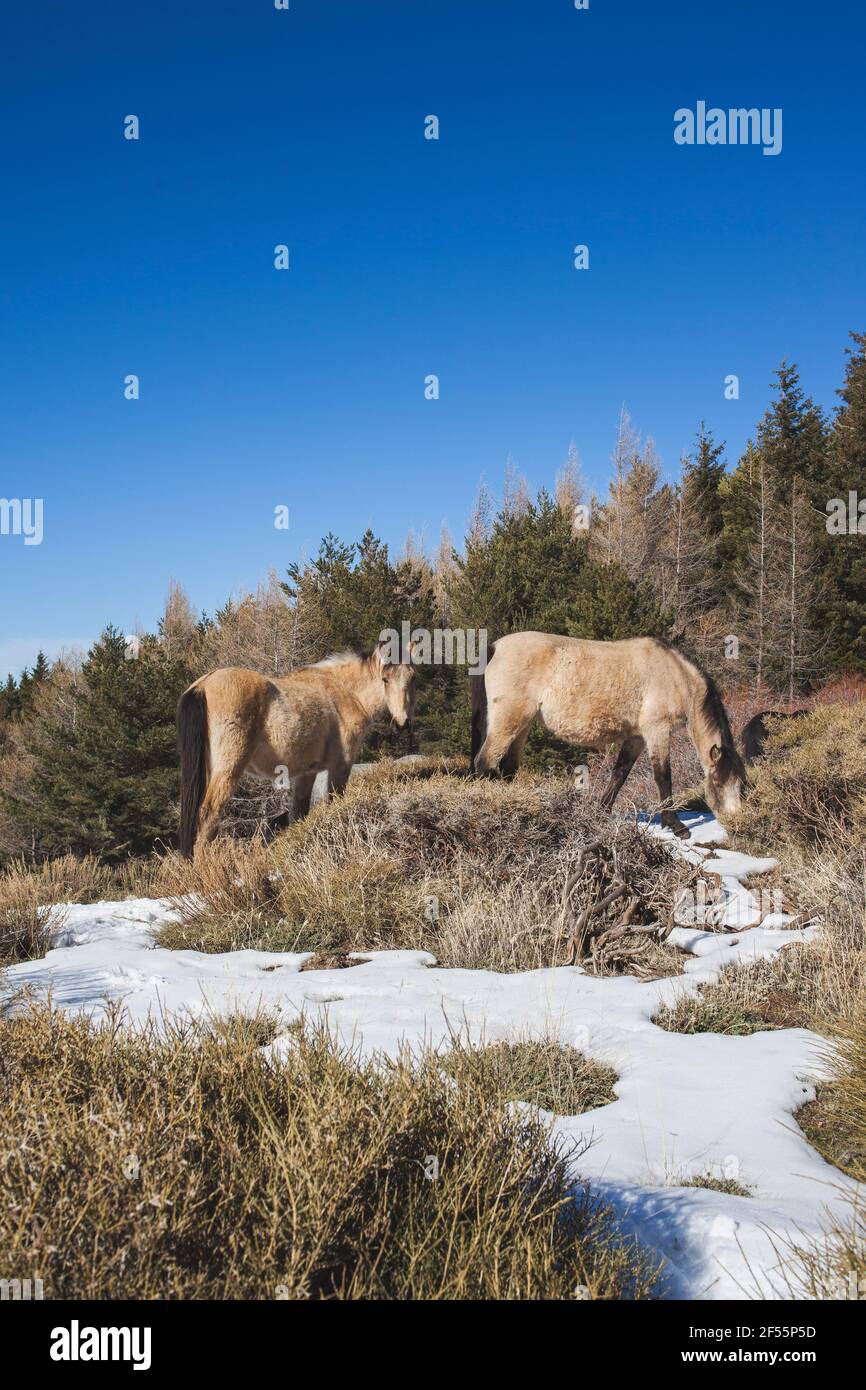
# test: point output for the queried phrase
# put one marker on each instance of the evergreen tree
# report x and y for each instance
(350, 594)
(738, 491)
(693, 591)
(792, 435)
(10, 700)
(845, 551)
(523, 573)
(108, 783)
(796, 640)
(753, 578)
(701, 476)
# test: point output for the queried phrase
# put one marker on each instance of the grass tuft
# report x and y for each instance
(712, 1183)
(746, 999)
(545, 1073)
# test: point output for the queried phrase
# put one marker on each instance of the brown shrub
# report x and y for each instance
(470, 870)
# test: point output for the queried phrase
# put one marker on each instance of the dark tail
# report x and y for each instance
(191, 745)
(479, 710)
(752, 738)
(754, 734)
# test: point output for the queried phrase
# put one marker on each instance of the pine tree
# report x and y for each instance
(845, 553)
(521, 575)
(10, 700)
(771, 542)
(701, 477)
(737, 491)
(108, 782)
(693, 591)
(792, 435)
(31, 680)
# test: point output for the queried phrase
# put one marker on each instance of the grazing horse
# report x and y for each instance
(234, 721)
(632, 693)
(754, 734)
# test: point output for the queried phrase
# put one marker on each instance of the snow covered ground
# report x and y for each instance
(686, 1105)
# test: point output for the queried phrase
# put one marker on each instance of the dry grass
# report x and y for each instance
(835, 1265)
(770, 994)
(25, 928)
(412, 858)
(831, 1127)
(544, 1073)
(827, 885)
(807, 805)
(810, 787)
(712, 1183)
(836, 1121)
(193, 1166)
(832, 1266)
(328, 960)
(26, 890)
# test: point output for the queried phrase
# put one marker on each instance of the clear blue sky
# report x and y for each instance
(408, 257)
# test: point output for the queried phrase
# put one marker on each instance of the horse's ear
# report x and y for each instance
(715, 753)
(414, 649)
(382, 653)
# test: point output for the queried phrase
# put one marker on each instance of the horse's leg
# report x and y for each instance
(511, 762)
(628, 756)
(505, 730)
(659, 749)
(221, 788)
(231, 751)
(302, 791)
(338, 778)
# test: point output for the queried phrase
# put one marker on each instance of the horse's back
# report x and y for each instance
(585, 690)
(541, 658)
(235, 692)
(293, 721)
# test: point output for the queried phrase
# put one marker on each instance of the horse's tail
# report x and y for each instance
(478, 691)
(752, 738)
(192, 747)
(754, 734)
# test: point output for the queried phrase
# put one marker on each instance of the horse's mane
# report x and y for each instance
(714, 712)
(341, 658)
(712, 708)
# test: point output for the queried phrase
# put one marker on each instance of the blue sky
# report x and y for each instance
(408, 257)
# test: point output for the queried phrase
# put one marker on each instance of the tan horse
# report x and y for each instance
(632, 693)
(234, 721)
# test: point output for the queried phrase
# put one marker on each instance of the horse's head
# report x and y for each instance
(724, 780)
(398, 678)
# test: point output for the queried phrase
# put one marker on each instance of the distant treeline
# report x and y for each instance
(739, 565)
